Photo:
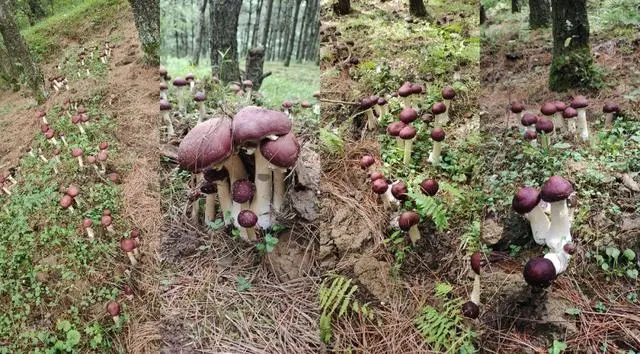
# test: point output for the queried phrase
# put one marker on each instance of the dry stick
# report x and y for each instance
(338, 102)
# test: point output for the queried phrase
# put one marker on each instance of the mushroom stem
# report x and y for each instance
(445, 115)
(136, 252)
(582, 124)
(80, 162)
(261, 205)
(44, 159)
(434, 158)
(116, 320)
(235, 167)
(251, 233)
(414, 234)
(248, 94)
(81, 129)
(608, 120)
(167, 118)
(224, 197)
(560, 227)
(278, 188)
(209, 208)
(437, 121)
(378, 110)
(202, 112)
(109, 228)
(180, 98)
(90, 233)
(195, 205)
(475, 292)
(243, 233)
(6, 190)
(560, 260)
(11, 179)
(64, 140)
(406, 102)
(103, 168)
(539, 223)
(571, 125)
(132, 259)
(400, 142)
(372, 122)
(558, 122)
(408, 146)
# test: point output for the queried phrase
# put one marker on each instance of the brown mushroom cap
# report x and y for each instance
(103, 145)
(448, 93)
(476, 262)
(528, 119)
(208, 188)
(610, 107)
(199, 97)
(408, 219)
(407, 133)
(544, 124)
(399, 191)
(66, 201)
(394, 128)
(367, 161)
(470, 309)
(429, 187)
(579, 102)
(212, 174)
(103, 155)
(165, 105)
(179, 82)
(208, 143)
(86, 223)
(556, 189)
(113, 308)
(530, 135)
(569, 112)
(73, 191)
(127, 244)
(242, 191)
(560, 106)
(548, 108)
(408, 115)
(539, 272)
(247, 218)
(379, 186)
(516, 107)
(525, 200)
(252, 124)
(75, 152)
(106, 220)
(376, 175)
(438, 108)
(437, 134)
(282, 152)
(405, 90)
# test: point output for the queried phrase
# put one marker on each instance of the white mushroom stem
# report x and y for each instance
(539, 223)
(261, 205)
(560, 260)
(608, 120)
(224, 197)
(434, 157)
(383, 111)
(192, 85)
(571, 125)
(132, 259)
(378, 110)
(582, 124)
(90, 233)
(109, 228)
(437, 121)
(81, 128)
(445, 115)
(385, 200)
(278, 187)
(64, 141)
(6, 190)
(209, 208)
(136, 252)
(203, 113)
(475, 292)
(116, 319)
(406, 102)
(372, 122)
(560, 229)
(11, 179)
(248, 94)
(44, 119)
(166, 115)
(414, 234)
(44, 159)
(408, 147)
(103, 168)
(400, 142)
(181, 98)
(55, 169)
(163, 94)
(558, 121)
(80, 162)
(235, 168)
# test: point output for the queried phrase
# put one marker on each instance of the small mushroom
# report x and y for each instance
(544, 126)
(527, 203)
(439, 111)
(380, 186)
(247, 220)
(282, 154)
(555, 191)
(408, 222)
(113, 309)
(539, 272)
(102, 160)
(367, 104)
(429, 187)
(549, 110)
(209, 189)
(128, 245)
(73, 192)
(77, 153)
(570, 114)
(517, 108)
(180, 83)
(106, 222)
(580, 104)
(199, 98)
(87, 225)
(165, 109)
(366, 162)
(609, 109)
(394, 129)
(242, 192)
(66, 202)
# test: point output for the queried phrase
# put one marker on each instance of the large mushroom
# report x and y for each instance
(580, 104)
(570, 115)
(527, 203)
(404, 92)
(393, 129)
(545, 126)
(367, 104)
(429, 187)
(549, 110)
(560, 107)
(609, 109)
(282, 154)
(555, 191)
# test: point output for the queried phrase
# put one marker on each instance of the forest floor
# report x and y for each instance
(56, 282)
(593, 306)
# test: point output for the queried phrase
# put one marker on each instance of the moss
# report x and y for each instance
(574, 69)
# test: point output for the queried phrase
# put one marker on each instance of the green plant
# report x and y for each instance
(335, 300)
(557, 347)
(613, 265)
(270, 241)
(396, 243)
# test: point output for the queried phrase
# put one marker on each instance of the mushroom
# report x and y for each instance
(570, 115)
(220, 178)
(404, 92)
(439, 109)
(539, 272)
(165, 109)
(113, 309)
(408, 222)
(527, 203)
(437, 135)
(529, 121)
(248, 85)
(545, 126)
(42, 117)
(7, 175)
(73, 192)
(517, 108)
(394, 129)
(77, 153)
(367, 104)
(64, 140)
(128, 245)
(191, 80)
(399, 191)
(408, 115)
(429, 187)
(531, 136)
(380, 186)
(609, 109)
(560, 259)
(128, 292)
(50, 135)
(471, 309)
(287, 108)
(559, 119)
(86, 224)
(77, 120)
(282, 154)
(382, 103)
(366, 161)
(242, 192)
(247, 220)
(102, 159)
(106, 222)
(209, 189)
(251, 125)
(5, 187)
(448, 94)
(407, 134)
(199, 98)
(91, 160)
(555, 191)
(66, 202)
(180, 83)
(163, 90)
(56, 158)
(549, 110)
(580, 104)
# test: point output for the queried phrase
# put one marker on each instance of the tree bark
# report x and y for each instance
(224, 44)
(254, 67)
(18, 52)
(284, 39)
(146, 14)
(247, 33)
(292, 38)
(202, 28)
(539, 13)
(515, 6)
(483, 15)
(572, 63)
(343, 7)
(37, 12)
(256, 26)
(416, 8)
(303, 29)
(267, 24)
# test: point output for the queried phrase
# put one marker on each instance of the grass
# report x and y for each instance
(297, 83)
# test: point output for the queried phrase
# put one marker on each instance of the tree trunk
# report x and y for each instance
(539, 13)
(515, 6)
(247, 32)
(343, 7)
(202, 28)
(36, 11)
(146, 14)
(267, 24)
(254, 67)
(256, 26)
(224, 44)
(292, 38)
(303, 29)
(483, 15)
(416, 8)
(18, 52)
(284, 39)
(572, 64)
(313, 43)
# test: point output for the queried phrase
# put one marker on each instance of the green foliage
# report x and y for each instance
(443, 328)
(575, 69)
(331, 142)
(429, 207)
(614, 265)
(396, 243)
(557, 347)
(270, 241)
(336, 299)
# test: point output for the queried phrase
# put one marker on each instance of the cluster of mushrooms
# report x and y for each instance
(557, 118)
(394, 194)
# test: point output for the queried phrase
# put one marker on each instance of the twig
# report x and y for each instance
(337, 102)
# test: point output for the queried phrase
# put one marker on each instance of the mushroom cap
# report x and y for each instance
(235, 87)
(407, 133)
(556, 189)
(437, 134)
(282, 152)
(305, 104)
(528, 119)
(75, 119)
(448, 93)
(73, 191)
(199, 96)
(416, 89)
(162, 71)
(106, 212)
(66, 201)
(57, 151)
(212, 174)
(399, 191)
(525, 200)
(438, 108)
(49, 134)
(570, 248)
(376, 175)
(86, 223)
(610, 107)
(516, 107)
(163, 86)
(84, 118)
(544, 124)
(579, 102)
(476, 262)
(75, 152)
(127, 244)
(247, 83)
(382, 101)
(44, 128)
(379, 186)
(252, 124)
(470, 310)
(103, 145)
(394, 128)
(165, 105)
(287, 104)
(569, 112)
(367, 102)
(189, 77)
(114, 177)
(548, 108)
(81, 110)
(429, 187)
(408, 115)
(366, 161)
(113, 308)
(179, 82)
(242, 191)
(405, 90)
(106, 220)
(208, 143)
(103, 155)
(407, 219)
(247, 218)
(135, 233)
(539, 272)
(560, 106)
(208, 188)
